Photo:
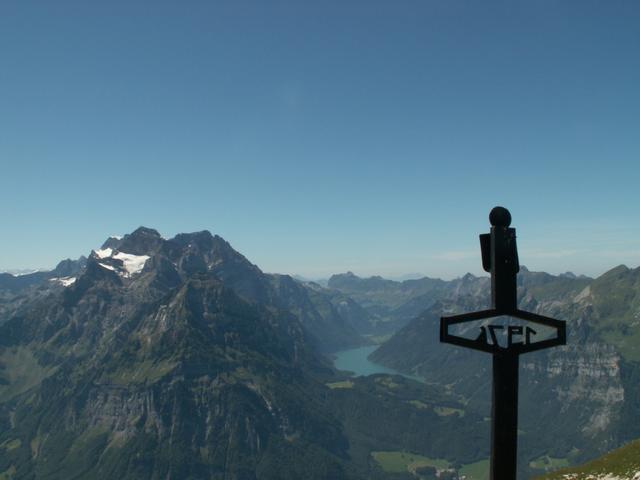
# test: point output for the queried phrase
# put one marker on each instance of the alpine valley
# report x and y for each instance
(576, 401)
(178, 358)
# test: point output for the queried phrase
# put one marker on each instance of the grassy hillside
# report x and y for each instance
(620, 464)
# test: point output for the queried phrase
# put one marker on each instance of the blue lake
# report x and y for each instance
(355, 360)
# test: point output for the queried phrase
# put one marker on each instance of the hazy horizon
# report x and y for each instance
(468, 261)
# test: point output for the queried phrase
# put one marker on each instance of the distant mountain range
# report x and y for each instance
(179, 358)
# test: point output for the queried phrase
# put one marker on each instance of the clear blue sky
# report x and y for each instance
(323, 136)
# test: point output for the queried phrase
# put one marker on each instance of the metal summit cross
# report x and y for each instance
(500, 257)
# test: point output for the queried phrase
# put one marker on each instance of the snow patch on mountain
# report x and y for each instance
(64, 281)
(125, 264)
(104, 253)
(132, 263)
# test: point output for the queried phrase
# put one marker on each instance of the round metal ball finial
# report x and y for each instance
(500, 217)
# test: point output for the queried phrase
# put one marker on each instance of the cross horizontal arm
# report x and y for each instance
(516, 349)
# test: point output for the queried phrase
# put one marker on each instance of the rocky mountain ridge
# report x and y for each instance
(145, 250)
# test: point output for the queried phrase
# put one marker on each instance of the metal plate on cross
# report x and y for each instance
(494, 332)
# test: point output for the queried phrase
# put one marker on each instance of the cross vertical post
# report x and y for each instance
(504, 267)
